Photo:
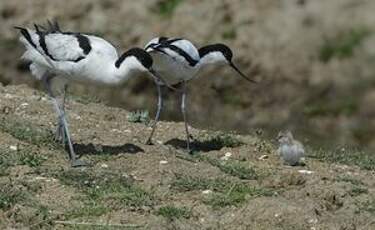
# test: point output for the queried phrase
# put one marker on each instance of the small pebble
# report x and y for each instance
(163, 162)
(13, 147)
(206, 191)
(263, 157)
(104, 166)
(308, 172)
(226, 156)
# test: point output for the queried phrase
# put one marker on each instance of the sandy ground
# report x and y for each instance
(133, 185)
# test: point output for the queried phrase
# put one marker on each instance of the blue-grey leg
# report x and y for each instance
(73, 157)
(183, 110)
(60, 132)
(157, 116)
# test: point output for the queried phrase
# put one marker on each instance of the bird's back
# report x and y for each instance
(179, 62)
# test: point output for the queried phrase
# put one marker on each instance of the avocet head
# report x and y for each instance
(137, 60)
(219, 54)
(154, 42)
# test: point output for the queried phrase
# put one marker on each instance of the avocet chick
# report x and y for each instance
(290, 150)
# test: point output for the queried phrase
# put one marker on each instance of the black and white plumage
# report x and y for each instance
(81, 58)
(178, 61)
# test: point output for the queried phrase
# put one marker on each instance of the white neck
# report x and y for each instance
(130, 67)
(214, 58)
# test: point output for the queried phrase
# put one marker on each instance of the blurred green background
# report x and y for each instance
(314, 60)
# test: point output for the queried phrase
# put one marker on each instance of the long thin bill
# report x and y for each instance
(156, 76)
(241, 74)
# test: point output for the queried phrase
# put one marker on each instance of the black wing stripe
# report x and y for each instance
(84, 43)
(181, 52)
(42, 43)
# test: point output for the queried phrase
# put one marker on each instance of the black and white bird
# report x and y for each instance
(178, 61)
(81, 58)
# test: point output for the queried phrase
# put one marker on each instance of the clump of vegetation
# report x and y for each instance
(232, 167)
(85, 99)
(139, 116)
(167, 7)
(172, 213)
(368, 206)
(25, 131)
(217, 141)
(348, 156)
(236, 195)
(9, 196)
(24, 156)
(358, 190)
(106, 190)
(343, 46)
(225, 192)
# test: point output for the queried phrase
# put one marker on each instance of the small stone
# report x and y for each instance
(263, 157)
(40, 178)
(104, 165)
(163, 162)
(226, 156)
(303, 171)
(24, 104)
(13, 147)
(206, 192)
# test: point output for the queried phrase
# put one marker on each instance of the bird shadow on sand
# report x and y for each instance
(91, 149)
(196, 145)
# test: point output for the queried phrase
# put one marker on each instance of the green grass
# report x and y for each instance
(224, 140)
(225, 192)
(166, 8)
(90, 208)
(10, 195)
(27, 132)
(188, 183)
(23, 156)
(139, 116)
(173, 213)
(85, 99)
(368, 206)
(358, 190)
(344, 45)
(236, 195)
(351, 180)
(231, 167)
(107, 189)
(348, 156)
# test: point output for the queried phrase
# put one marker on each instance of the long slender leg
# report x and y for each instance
(160, 106)
(183, 110)
(60, 132)
(73, 157)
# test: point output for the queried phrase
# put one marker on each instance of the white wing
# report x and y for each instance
(56, 46)
(66, 47)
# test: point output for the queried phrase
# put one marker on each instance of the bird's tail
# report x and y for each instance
(26, 36)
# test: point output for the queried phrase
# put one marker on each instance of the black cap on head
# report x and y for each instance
(141, 55)
(227, 53)
(225, 50)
